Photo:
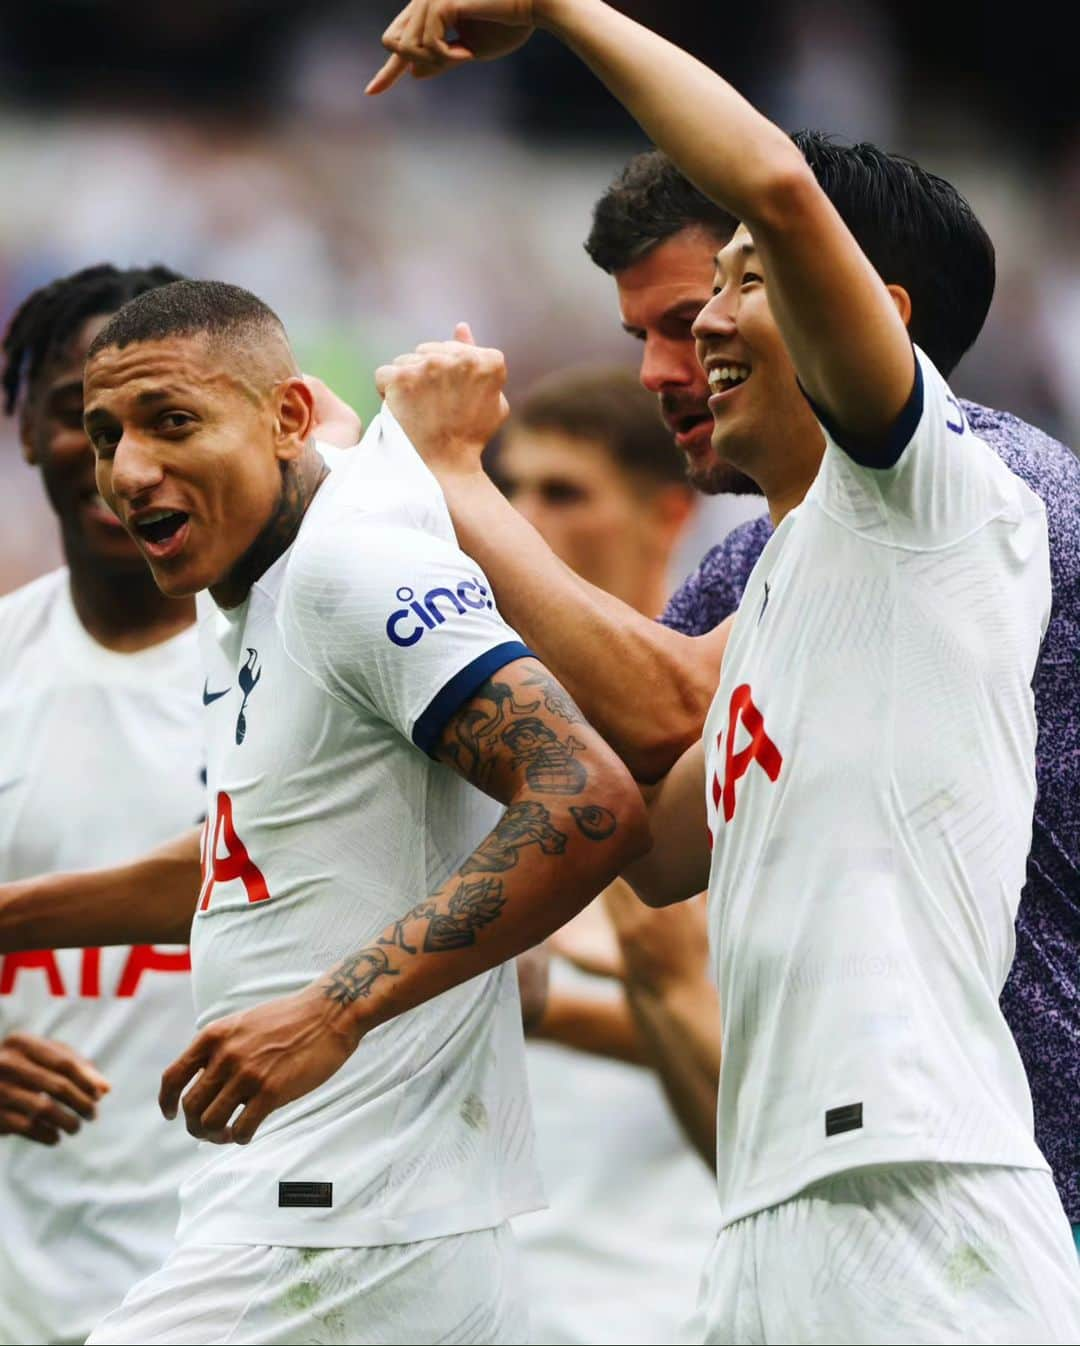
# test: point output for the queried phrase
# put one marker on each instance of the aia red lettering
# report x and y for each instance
(234, 864)
(145, 958)
(41, 960)
(760, 749)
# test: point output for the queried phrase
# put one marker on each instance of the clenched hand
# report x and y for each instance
(448, 398)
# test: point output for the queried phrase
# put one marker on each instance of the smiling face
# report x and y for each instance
(660, 296)
(54, 440)
(190, 440)
(761, 421)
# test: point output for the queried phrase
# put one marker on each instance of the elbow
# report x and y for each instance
(788, 196)
(633, 837)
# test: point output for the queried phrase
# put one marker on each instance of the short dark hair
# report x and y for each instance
(918, 232)
(609, 405)
(916, 229)
(185, 308)
(51, 316)
(648, 202)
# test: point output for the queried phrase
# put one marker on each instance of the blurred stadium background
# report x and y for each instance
(231, 139)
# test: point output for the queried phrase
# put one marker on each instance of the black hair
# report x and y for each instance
(648, 202)
(609, 405)
(918, 232)
(916, 229)
(48, 318)
(184, 308)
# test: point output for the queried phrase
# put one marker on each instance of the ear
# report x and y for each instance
(902, 300)
(294, 417)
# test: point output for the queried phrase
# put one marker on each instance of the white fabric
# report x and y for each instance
(345, 825)
(100, 759)
(632, 1211)
(868, 860)
(913, 1253)
(460, 1289)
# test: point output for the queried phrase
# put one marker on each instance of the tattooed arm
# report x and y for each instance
(573, 820)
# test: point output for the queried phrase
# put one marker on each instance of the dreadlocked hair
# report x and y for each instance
(51, 316)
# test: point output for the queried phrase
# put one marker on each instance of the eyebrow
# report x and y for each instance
(743, 251)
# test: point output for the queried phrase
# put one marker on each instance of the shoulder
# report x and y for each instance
(1050, 468)
(715, 589)
(24, 611)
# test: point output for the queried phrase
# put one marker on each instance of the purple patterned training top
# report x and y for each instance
(1041, 999)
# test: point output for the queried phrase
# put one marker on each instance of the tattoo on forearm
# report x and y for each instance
(594, 822)
(523, 824)
(549, 763)
(471, 906)
(557, 699)
(354, 977)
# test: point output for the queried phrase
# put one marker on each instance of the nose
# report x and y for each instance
(667, 364)
(716, 319)
(134, 469)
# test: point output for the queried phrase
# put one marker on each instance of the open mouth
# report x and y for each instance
(724, 378)
(688, 428)
(163, 531)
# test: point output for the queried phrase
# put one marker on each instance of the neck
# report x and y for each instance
(125, 610)
(300, 479)
(787, 487)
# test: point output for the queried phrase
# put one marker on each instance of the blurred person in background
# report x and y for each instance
(616, 1256)
(101, 756)
(651, 214)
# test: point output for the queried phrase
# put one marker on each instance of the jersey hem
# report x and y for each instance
(789, 1187)
(365, 1231)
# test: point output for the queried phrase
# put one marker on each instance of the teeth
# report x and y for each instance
(156, 515)
(723, 376)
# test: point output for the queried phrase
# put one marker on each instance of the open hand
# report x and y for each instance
(448, 398)
(257, 1061)
(45, 1089)
(418, 43)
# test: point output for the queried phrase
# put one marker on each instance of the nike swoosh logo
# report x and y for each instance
(208, 695)
(9, 784)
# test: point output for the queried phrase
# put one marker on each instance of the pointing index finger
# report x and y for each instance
(388, 74)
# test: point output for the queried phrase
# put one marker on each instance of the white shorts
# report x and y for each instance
(464, 1288)
(905, 1253)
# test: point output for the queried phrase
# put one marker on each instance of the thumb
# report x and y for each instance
(463, 332)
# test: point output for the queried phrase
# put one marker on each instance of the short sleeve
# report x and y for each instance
(933, 483)
(396, 622)
(715, 589)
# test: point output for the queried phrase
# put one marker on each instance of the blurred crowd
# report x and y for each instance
(369, 231)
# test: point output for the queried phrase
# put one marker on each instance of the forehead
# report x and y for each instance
(740, 245)
(680, 263)
(188, 364)
(544, 451)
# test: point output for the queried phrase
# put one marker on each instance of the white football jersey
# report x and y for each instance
(632, 1210)
(328, 688)
(101, 759)
(870, 782)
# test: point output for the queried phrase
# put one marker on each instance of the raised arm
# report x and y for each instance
(840, 324)
(149, 901)
(573, 819)
(646, 689)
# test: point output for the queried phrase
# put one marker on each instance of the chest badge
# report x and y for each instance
(248, 678)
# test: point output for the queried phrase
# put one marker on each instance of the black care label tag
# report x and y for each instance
(847, 1118)
(305, 1193)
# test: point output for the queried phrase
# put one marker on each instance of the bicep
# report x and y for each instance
(521, 732)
